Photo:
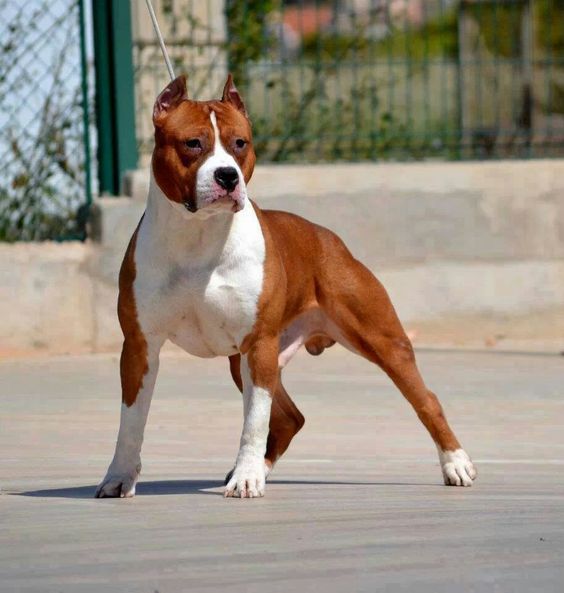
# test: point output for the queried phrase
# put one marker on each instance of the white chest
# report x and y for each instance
(200, 289)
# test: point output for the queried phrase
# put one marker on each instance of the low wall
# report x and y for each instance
(46, 297)
(445, 239)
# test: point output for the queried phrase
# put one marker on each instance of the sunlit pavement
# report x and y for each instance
(357, 504)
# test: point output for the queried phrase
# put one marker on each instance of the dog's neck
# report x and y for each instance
(175, 229)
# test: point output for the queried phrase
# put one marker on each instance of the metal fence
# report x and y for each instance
(44, 158)
(323, 81)
(371, 79)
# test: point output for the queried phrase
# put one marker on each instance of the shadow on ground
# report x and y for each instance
(155, 488)
(172, 487)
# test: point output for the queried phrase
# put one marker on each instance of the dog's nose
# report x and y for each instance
(227, 177)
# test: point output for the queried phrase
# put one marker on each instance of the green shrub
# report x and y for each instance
(437, 38)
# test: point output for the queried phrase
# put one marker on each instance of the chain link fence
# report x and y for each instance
(371, 79)
(44, 161)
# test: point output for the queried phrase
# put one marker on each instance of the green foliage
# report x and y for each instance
(248, 39)
(317, 126)
(309, 113)
(549, 26)
(311, 122)
(500, 27)
(437, 38)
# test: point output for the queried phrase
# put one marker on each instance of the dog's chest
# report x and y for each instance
(206, 304)
(215, 309)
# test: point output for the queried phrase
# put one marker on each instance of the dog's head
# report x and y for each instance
(203, 156)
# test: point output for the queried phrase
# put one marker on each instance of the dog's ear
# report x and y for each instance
(170, 97)
(231, 95)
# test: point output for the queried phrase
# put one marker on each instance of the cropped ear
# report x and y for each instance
(231, 95)
(170, 97)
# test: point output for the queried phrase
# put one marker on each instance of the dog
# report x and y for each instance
(209, 270)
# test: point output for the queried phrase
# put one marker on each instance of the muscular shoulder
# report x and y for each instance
(302, 236)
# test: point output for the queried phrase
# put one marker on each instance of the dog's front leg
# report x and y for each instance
(139, 367)
(259, 372)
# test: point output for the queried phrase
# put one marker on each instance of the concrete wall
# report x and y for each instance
(445, 238)
(456, 238)
(46, 297)
(428, 211)
(62, 297)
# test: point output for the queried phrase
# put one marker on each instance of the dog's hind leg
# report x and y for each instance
(357, 303)
(285, 418)
(285, 422)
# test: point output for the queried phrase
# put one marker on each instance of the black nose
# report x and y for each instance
(227, 177)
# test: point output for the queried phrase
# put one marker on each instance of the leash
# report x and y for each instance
(160, 38)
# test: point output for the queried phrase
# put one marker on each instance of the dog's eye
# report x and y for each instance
(240, 143)
(193, 143)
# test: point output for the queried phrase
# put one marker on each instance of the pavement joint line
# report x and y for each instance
(39, 356)
(521, 461)
(501, 352)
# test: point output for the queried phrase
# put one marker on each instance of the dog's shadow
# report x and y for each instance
(209, 487)
(150, 488)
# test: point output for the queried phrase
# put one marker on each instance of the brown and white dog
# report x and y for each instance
(209, 270)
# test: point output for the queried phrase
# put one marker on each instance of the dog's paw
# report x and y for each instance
(457, 467)
(247, 479)
(267, 470)
(118, 484)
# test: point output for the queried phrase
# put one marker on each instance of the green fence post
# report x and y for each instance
(85, 107)
(115, 104)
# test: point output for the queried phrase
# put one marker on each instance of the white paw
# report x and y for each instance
(268, 467)
(458, 469)
(248, 478)
(119, 484)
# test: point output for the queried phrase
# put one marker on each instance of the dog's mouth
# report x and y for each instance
(234, 201)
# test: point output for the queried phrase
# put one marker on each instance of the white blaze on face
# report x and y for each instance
(207, 188)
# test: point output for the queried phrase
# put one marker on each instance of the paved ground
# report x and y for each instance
(357, 504)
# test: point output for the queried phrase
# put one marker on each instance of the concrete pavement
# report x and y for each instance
(356, 504)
